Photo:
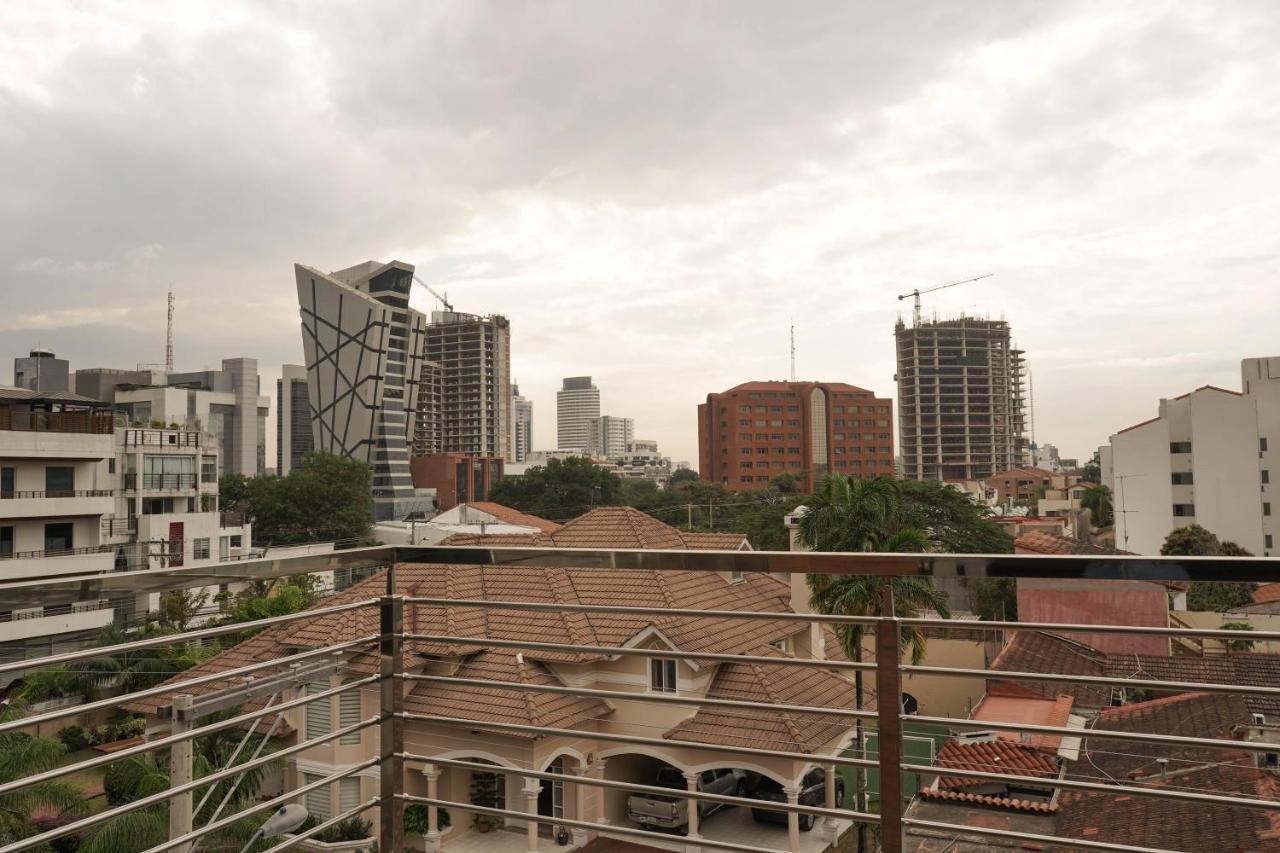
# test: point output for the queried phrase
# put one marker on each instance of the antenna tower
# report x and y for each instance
(168, 339)
(793, 352)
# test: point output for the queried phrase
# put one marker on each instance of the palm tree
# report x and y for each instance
(863, 515)
(22, 756)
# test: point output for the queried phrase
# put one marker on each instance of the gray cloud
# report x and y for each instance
(654, 191)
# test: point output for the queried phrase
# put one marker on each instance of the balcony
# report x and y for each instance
(160, 482)
(140, 437)
(58, 503)
(457, 683)
(84, 423)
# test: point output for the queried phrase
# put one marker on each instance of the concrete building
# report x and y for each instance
(100, 383)
(364, 350)
(83, 494)
(42, 371)
(522, 439)
(428, 425)
(293, 419)
(759, 429)
(474, 354)
(227, 404)
(455, 478)
(960, 399)
(608, 437)
(577, 405)
(1205, 459)
(642, 461)
(1046, 456)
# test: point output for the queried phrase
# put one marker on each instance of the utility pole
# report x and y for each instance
(689, 522)
(711, 515)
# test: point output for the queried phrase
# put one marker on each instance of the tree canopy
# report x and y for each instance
(1097, 499)
(327, 498)
(1196, 541)
(560, 490)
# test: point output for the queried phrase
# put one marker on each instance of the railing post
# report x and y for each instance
(391, 727)
(889, 723)
(180, 769)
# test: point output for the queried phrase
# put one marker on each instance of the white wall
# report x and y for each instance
(1142, 492)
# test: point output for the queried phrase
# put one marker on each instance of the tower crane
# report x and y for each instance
(443, 301)
(915, 294)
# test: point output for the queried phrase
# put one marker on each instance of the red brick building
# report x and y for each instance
(456, 477)
(757, 430)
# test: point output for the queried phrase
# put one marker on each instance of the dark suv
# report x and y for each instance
(813, 792)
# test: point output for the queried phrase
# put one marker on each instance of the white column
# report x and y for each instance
(691, 780)
(532, 788)
(602, 818)
(432, 772)
(793, 819)
(829, 825)
(579, 802)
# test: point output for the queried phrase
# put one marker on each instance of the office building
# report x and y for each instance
(608, 437)
(364, 350)
(577, 405)
(293, 418)
(960, 399)
(82, 493)
(522, 440)
(227, 404)
(757, 430)
(1206, 458)
(474, 354)
(642, 461)
(42, 371)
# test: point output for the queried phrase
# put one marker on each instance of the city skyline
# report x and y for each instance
(1038, 146)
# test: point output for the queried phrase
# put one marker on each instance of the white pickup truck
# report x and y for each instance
(660, 811)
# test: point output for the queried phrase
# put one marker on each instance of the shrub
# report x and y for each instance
(351, 829)
(75, 738)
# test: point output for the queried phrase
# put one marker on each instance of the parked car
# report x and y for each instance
(660, 811)
(813, 792)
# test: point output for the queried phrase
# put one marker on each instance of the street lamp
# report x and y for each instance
(286, 819)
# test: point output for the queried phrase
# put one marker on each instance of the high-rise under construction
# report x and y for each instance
(960, 403)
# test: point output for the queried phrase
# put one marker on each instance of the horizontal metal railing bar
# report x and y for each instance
(1098, 680)
(263, 806)
(609, 829)
(160, 743)
(953, 830)
(1105, 734)
(1125, 789)
(659, 698)
(185, 637)
(628, 610)
(168, 793)
(179, 686)
(299, 837)
(1063, 627)
(640, 740)
(683, 793)
(625, 651)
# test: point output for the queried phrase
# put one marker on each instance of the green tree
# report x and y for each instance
(56, 682)
(1195, 541)
(993, 599)
(1097, 499)
(23, 756)
(178, 607)
(1237, 645)
(864, 515)
(1092, 471)
(560, 490)
(955, 522)
(1191, 541)
(233, 490)
(327, 498)
(682, 475)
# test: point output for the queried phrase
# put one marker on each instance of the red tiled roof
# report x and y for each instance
(1042, 542)
(992, 756)
(1267, 593)
(610, 527)
(1040, 651)
(1138, 424)
(984, 800)
(514, 516)
(1208, 388)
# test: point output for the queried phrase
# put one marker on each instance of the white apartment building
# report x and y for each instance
(577, 405)
(608, 437)
(642, 461)
(81, 494)
(522, 442)
(1206, 459)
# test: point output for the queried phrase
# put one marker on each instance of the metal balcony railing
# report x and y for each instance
(27, 494)
(191, 697)
(143, 437)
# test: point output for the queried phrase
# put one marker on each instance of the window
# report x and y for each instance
(319, 712)
(235, 541)
(316, 800)
(349, 714)
(6, 541)
(111, 465)
(8, 482)
(58, 536)
(59, 481)
(348, 793)
(662, 675)
(1266, 509)
(793, 451)
(744, 436)
(156, 506)
(1180, 447)
(208, 468)
(1266, 540)
(1262, 444)
(200, 549)
(747, 478)
(1266, 476)
(1182, 478)
(735, 577)
(762, 451)
(745, 465)
(783, 645)
(1187, 510)
(744, 423)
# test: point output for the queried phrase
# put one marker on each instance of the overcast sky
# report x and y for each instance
(653, 191)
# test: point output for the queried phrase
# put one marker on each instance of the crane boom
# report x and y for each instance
(431, 290)
(915, 294)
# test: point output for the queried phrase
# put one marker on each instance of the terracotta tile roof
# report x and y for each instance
(1138, 424)
(610, 527)
(992, 756)
(504, 705)
(1267, 593)
(1005, 705)
(1042, 542)
(1245, 668)
(1121, 818)
(1040, 651)
(764, 729)
(984, 800)
(514, 516)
